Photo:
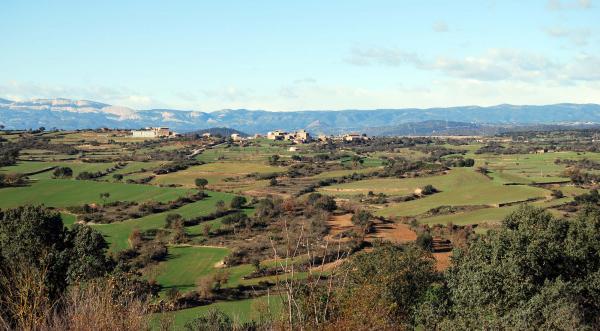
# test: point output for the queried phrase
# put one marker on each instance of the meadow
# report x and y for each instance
(70, 192)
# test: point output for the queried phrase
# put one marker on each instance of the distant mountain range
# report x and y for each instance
(84, 114)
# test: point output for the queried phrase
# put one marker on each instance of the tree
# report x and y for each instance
(362, 219)
(238, 202)
(35, 236)
(62, 172)
(557, 194)
(87, 253)
(356, 160)
(390, 282)
(118, 177)
(274, 159)
(40, 258)
(220, 206)
(428, 189)
(425, 241)
(173, 221)
(213, 320)
(201, 183)
(273, 182)
(535, 272)
(104, 196)
(325, 202)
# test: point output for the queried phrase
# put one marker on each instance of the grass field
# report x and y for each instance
(240, 311)
(461, 186)
(117, 233)
(185, 264)
(70, 192)
(529, 168)
(215, 173)
(485, 215)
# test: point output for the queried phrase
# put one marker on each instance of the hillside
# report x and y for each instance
(80, 114)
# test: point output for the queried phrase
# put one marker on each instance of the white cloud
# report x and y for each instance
(498, 64)
(440, 26)
(578, 37)
(229, 93)
(384, 56)
(121, 96)
(584, 68)
(566, 4)
(492, 65)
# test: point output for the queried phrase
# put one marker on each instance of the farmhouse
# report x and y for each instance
(276, 135)
(152, 133)
(236, 137)
(302, 137)
(299, 137)
(355, 137)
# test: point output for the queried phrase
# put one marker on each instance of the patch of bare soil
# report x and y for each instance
(328, 267)
(338, 224)
(398, 233)
(442, 260)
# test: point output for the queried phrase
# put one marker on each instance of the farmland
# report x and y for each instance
(191, 211)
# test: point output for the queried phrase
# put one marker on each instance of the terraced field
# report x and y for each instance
(118, 233)
(71, 192)
(461, 186)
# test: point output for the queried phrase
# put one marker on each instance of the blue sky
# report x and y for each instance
(290, 55)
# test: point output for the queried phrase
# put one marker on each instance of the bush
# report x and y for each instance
(425, 241)
(62, 172)
(238, 202)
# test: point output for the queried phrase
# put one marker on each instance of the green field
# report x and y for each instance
(70, 192)
(215, 173)
(461, 186)
(485, 215)
(240, 311)
(185, 264)
(117, 233)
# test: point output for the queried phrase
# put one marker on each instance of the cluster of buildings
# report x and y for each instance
(161, 132)
(299, 137)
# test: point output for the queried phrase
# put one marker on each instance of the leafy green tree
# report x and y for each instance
(535, 272)
(213, 320)
(325, 202)
(238, 202)
(34, 238)
(384, 288)
(362, 219)
(428, 189)
(425, 241)
(201, 183)
(104, 196)
(62, 172)
(86, 249)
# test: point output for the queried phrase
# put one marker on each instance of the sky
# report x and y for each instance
(301, 55)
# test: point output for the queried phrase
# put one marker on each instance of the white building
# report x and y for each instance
(152, 133)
